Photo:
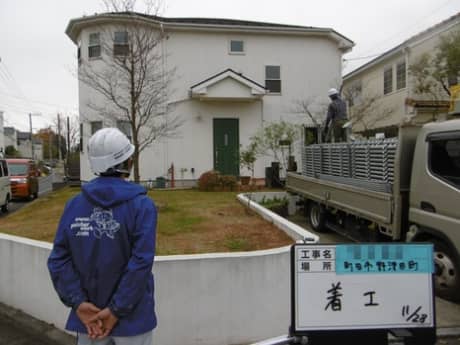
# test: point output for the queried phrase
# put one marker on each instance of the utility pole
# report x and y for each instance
(50, 152)
(68, 146)
(59, 136)
(31, 137)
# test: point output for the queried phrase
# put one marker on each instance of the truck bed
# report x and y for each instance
(369, 204)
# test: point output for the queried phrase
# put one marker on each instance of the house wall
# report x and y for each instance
(310, 65)
(372, 78)
(11, 140)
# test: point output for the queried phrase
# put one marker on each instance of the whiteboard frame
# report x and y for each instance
(305, 331)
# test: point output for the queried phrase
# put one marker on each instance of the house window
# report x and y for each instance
(400, 75)
(273, 79)
(125, 127)
(388, 80)
(236, 47)
(120, 43)
(95, 126)
(94, 47)
(79, 51)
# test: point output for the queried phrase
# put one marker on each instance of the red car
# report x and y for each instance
(23, 177)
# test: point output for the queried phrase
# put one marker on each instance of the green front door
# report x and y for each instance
(226, 146)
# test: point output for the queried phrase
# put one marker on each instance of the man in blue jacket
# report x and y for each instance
(101, 262)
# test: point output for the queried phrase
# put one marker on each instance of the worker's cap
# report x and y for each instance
(332, 92)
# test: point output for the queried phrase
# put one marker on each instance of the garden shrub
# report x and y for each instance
(208, 180)
(213, 181)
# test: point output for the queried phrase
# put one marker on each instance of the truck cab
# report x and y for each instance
(434, 212)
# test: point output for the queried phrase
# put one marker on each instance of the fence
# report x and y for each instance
(45, 184)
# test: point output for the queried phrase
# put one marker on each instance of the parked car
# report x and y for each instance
(24, 178)
(5, 190)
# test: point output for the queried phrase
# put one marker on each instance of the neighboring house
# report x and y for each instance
(25, 148)
(383, 90)
(232, 77)
(21, 142)
(10, 137)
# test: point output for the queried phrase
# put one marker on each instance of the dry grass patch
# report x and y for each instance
(189, 221)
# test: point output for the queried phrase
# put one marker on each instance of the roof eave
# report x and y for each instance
(76, 25)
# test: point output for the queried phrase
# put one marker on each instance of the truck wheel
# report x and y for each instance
(6, 206)
(316, 217)
(447, 274)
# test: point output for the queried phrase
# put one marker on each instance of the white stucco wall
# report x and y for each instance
(310, 65)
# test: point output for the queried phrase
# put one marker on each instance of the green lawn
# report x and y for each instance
(189, 221)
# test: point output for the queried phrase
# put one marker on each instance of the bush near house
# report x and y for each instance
(213, 181)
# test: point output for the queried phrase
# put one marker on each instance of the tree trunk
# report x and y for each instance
(136, 164)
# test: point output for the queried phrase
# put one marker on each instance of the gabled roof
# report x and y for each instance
(200, 90)
(208, 24)
(399, 48)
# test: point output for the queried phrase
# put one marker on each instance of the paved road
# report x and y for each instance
(12, 334)
(14, 206)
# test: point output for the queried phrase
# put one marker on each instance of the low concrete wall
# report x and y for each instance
(215, 299)
(206, 299)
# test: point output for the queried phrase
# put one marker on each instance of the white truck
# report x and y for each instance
(404, 189)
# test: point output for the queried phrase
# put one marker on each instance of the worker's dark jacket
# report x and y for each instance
(336, 111)
(103, 253)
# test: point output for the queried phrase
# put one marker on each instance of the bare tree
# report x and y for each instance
(150, 6)
(365, 109)
(131, 76)
(315, 111)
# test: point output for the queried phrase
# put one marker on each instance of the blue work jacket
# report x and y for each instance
(103, 253)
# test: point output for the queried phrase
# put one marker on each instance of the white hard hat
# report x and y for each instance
(107, 148)
(332, 92)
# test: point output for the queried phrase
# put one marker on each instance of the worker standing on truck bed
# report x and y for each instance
(336, 118)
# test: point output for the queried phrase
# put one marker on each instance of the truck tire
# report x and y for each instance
(317, 217)
(447, 272)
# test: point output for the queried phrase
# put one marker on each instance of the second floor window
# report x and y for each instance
(387, 80)
(273, 79)
(95, 126)
(400, 75)
(94, 46)
(236, 47)
(120, 43)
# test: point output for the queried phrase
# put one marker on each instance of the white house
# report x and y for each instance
(387, 80)
(232, 77)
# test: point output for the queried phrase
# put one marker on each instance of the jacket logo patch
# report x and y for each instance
(100, 223)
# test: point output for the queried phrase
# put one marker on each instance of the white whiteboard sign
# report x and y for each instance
(368, 286)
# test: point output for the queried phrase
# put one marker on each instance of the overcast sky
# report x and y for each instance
(38, 59)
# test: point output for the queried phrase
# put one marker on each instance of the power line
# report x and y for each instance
(418, 21)
(39, 102)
